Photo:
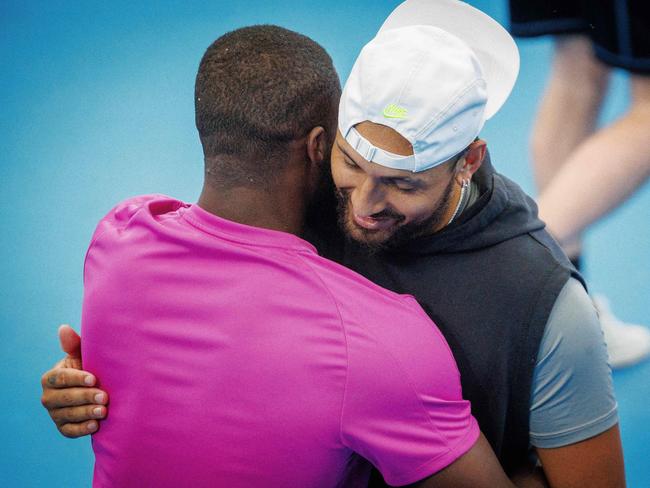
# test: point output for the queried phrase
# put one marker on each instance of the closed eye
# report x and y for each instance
(402, 185)
(350, 163)
(405, 189)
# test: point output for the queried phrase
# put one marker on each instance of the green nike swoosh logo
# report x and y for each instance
(392, 111)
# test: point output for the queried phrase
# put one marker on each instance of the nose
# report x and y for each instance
(368, 198)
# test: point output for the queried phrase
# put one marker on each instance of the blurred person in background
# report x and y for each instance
(583, 172)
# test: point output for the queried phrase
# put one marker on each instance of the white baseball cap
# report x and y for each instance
(435, 72)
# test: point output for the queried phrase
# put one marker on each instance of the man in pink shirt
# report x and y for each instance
(233, 354)
(248, 360)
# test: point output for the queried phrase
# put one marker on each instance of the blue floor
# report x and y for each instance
(97, 105)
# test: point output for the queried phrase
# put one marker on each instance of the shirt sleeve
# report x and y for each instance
(572, 396)
(403, 409)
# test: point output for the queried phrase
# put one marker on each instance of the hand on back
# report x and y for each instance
(69, 393)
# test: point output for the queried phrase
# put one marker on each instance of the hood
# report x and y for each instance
(502, 211)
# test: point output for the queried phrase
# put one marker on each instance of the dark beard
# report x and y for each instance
(405, 233)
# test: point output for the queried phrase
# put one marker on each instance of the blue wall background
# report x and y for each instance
(97, 105)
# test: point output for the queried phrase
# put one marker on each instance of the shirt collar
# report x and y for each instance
(245, 234)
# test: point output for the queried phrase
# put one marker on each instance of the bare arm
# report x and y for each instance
(530, 477)
(596, 462)
(68, 392)
(478, 468)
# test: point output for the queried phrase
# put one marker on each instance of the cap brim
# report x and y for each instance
(492, 44)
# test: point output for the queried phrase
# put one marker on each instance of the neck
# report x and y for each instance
(280, 209)
(275, 210)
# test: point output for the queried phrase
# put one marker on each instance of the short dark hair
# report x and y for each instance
(257, 89)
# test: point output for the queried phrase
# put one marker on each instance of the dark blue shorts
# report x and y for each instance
(619, 29)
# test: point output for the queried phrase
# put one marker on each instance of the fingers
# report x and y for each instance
(75, 410)
(68, 362)
(72, 397)
(68, 395)
(79, 430)
(70, 341)
(64, 377)
(76, 415)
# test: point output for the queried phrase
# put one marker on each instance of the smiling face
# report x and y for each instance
(383, 207)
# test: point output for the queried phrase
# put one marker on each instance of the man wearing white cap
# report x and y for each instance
(415, 189)
(427, 215)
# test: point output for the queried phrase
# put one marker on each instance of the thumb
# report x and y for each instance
(70, 341)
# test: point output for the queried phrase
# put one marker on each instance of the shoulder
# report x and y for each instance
(114, 227)
(573, 329)
(126, 209)
(122, 213)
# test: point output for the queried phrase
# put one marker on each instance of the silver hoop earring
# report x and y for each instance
(461, 201)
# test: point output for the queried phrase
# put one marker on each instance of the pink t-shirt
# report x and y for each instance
(236, 356)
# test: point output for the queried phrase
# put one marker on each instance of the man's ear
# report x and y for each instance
(471, 160)
(317, 142)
